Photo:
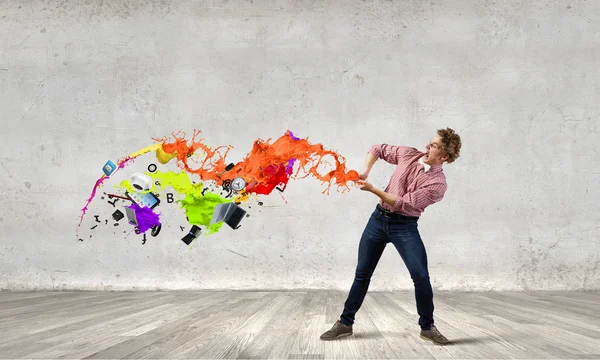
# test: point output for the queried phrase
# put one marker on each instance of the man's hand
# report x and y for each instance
(363, 175)
(364, 185)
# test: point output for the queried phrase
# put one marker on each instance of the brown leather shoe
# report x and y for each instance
(337, 331)
(434, 335)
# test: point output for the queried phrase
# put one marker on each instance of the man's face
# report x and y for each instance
(434, 153)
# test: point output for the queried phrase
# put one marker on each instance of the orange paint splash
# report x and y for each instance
(266, 166)
(257, 166)
(184, 151)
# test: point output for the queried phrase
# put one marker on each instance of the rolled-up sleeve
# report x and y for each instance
(421, 198)
(389, 153)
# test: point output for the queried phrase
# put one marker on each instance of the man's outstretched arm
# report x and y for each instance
(369, 161)
(390, 153)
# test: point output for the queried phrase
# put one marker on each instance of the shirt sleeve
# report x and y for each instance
(421, 198)
(389, 153)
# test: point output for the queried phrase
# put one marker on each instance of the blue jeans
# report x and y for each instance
(404, 234)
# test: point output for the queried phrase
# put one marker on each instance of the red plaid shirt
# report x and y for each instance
(414, 187)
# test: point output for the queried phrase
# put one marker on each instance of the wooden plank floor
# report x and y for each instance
(287, 325)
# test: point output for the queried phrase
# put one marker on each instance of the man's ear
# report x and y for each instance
(445, 157)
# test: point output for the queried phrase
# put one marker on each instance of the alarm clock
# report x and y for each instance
(238, 184)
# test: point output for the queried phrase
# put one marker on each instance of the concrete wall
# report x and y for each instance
(81, 84)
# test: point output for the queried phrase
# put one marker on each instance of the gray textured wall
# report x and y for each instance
(81, 84)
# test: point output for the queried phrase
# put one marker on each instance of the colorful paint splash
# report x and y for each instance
(268, 166)
(120, 164)
(262, 164)
(146, 218)
(197, 203)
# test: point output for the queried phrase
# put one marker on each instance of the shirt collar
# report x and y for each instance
(433, 168)
(426, 166)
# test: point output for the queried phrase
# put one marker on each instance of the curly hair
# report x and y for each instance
(451, 144)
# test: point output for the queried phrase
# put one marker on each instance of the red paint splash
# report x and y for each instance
(280, 176)
(266, 166)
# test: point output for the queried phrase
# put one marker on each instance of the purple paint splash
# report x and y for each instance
(146, 218)
(293, 137)
(290, 165)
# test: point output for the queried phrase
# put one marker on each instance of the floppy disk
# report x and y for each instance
(118, 215)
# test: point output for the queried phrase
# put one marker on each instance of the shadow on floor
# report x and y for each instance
(468, 340)
(378, 335)
(369, 335)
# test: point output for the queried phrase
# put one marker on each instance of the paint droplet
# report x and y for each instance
(43, 30)
(42, 147)
(28, 184)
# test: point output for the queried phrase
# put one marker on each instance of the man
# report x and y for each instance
(417, 182)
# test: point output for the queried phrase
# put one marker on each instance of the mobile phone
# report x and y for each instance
(148, 200)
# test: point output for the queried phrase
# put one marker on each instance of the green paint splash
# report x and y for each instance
(198, 208)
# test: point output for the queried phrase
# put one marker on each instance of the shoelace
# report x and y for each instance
(435, 331)
(338, 324)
